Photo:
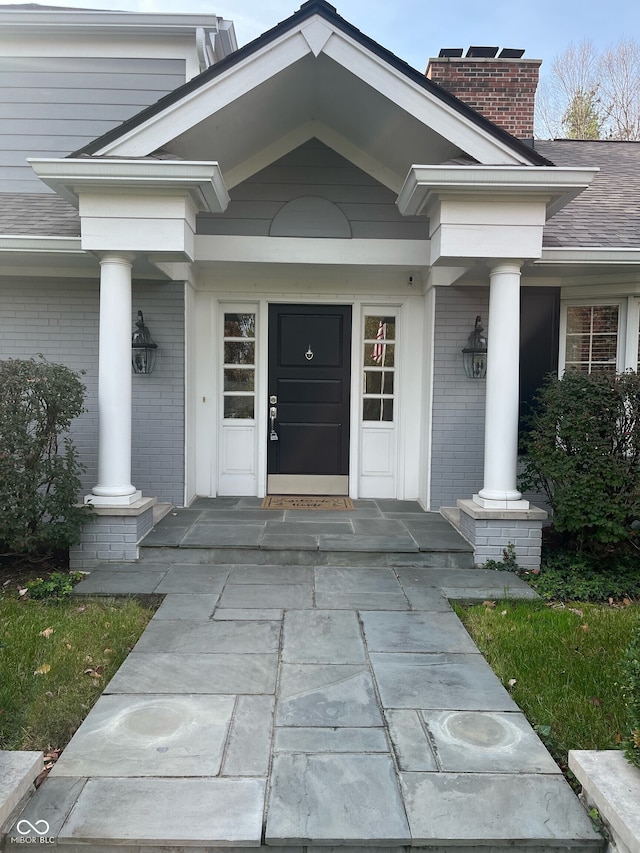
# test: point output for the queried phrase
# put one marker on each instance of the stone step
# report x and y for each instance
(441, 559)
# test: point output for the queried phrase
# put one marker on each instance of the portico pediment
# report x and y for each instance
(314, 75)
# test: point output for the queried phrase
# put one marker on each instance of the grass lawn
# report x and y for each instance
(561, 664)
(55, 659)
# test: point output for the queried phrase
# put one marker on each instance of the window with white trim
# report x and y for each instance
(379, 368)
(592, 337)
(239, 367)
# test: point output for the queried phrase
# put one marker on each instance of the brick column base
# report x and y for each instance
(112, 535)
(490, 531)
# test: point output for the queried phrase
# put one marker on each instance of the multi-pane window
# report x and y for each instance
(379, 368)
(592, 338)
(239, 370)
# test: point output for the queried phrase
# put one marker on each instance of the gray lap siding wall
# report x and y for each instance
(59, 318)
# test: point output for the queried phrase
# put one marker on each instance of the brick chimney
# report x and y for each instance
(500, 87)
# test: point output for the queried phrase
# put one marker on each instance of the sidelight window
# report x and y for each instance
(379, 368)
(239, 369)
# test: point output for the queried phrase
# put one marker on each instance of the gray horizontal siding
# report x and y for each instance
(313, 169)
(458, 402)
(50, 107)
(60, 320)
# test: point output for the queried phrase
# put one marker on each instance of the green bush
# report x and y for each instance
(583, 452)
(568, 576)
(631, 690)
(39, 468)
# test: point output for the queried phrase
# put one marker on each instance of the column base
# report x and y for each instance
(112, 534)
(492, 529)
(113, 500)
(499, 503)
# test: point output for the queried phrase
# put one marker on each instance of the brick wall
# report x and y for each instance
(502, 90)
(458, 402)
(59, 318)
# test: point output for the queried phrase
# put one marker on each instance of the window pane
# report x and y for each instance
(380, 327)
(605, 318)
(238, 407)
(372, 382)
(239, 352)
(604, 348)
(379, 355)
(239, 325)
(377, 410)
(577, 348)
(237, 379)
(579, 319)
(387, 387)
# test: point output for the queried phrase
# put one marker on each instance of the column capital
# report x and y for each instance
(124, 258)
(505, 266)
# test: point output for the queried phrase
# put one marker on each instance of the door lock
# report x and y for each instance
(273, 400)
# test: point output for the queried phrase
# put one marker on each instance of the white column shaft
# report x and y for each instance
(114, 383)
(502, 401)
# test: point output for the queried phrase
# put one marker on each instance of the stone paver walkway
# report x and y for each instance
(306, 706)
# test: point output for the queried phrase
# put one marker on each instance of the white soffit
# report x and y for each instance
(319, 42)
(68, 177)
(559, 186)
(599, 255)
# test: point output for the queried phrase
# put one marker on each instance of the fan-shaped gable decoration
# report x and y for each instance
(310, 216)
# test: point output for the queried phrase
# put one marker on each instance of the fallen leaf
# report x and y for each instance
(512, 682)
(81, 609)
(618, 738)
(584, 628)
(109, 652)
(488, 604)
(68, 645)
(611, 601)
(595, 701)
(89, 659)
(49, 694)
(43, 670)
(576, 611)
(504, 613)
(22, 591)
(535, 571)
(626, 602)
(46, 633)
(6, 583)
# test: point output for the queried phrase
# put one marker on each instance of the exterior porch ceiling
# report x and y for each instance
(315, 96)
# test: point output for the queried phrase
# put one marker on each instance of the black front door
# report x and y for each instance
(308, 406)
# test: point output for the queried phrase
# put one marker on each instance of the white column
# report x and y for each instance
(502, 401)
(114, 486)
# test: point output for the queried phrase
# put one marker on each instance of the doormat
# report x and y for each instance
(306, 502)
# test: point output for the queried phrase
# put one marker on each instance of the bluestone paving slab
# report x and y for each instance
(210, 637)
(149, 736)
(168, 536)
(439, 681)
(202, 535)
(221, 503)
(327, 695)
(312, 528)
(148, 811)
(233, 614)
(288, 541)
(292, 739)
(496, 807)
(195, 673)
(18, 771)
(52, 802)
(426, 598)
(182, 579)
(189, 607)
(119, 583)
(322, 636)
(342, 515)
(475, 594)
(361, 542)
(355, 579)
(361, 601)
(138, 566)
(249, 746)
(481, 742)
(288, 596)
(240, 516)
(378, 527)
(335, 798)
(410, 741)
(271, 574)
(416, 632)
(429, 540)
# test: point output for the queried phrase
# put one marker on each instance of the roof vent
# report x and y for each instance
(511, 53)
(450, 52)
(482, 52)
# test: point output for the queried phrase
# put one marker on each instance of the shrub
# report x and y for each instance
(568, 576)
(583, 452)
(39, 468)
(631, 690)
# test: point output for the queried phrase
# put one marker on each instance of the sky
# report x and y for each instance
(416, 29)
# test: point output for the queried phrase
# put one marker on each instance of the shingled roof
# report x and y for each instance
(607, 213)
(37, 214)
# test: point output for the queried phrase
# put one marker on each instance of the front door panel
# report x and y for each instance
(309, 379)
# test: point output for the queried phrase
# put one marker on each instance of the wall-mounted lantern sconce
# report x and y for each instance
(474, 355)
(143, 348)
